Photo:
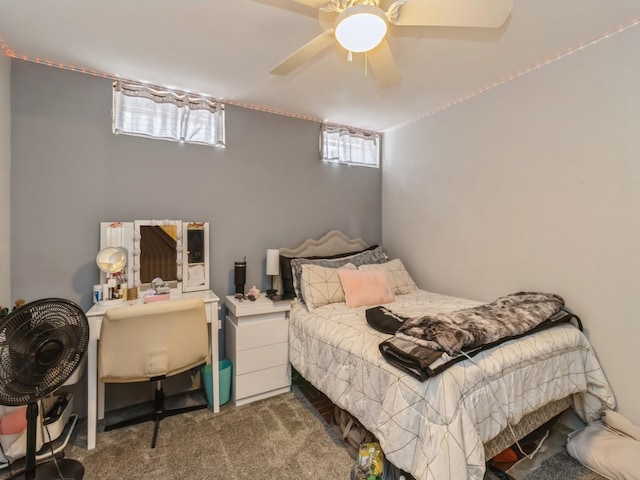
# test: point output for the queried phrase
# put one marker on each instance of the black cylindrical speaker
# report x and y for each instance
(240, 276)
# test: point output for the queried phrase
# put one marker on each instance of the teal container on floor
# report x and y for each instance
(224, 390)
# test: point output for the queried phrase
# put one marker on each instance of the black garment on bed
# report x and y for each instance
(421, 341)
(384, 320)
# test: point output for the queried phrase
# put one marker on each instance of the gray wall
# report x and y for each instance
(533, 185)
(5, 175)
(266, 189)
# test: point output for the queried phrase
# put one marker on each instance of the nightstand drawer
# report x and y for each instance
(248, 361)
(257, 343)
(261, 381)
(258, 334)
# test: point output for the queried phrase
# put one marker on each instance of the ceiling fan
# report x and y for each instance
(361, 26)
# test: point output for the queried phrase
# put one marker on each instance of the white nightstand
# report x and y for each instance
(257, 343)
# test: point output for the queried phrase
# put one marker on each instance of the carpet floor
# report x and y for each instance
(282, 437)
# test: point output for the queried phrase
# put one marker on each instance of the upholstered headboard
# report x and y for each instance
(331, 243)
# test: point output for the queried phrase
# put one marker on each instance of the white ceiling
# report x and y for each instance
(225, 49)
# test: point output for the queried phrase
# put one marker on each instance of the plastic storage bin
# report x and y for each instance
(224, 390)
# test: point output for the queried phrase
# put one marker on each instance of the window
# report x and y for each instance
(149, 112)
(346, 145)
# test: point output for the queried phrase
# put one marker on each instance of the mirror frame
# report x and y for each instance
(186, 226)
(126, 235)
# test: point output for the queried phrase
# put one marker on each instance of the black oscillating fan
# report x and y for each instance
(41, 344)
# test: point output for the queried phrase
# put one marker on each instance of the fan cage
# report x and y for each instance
(41, 345)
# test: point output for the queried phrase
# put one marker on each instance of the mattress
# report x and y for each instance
(437, 428)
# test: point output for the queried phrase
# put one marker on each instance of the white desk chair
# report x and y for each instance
(149, 343)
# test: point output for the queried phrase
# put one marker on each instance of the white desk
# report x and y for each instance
(95, 389)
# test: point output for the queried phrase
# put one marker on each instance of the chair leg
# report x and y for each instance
(127, 423)
(159, 412)
(155, 416)
(156, 427)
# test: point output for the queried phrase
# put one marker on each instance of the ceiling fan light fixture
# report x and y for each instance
(361, 28)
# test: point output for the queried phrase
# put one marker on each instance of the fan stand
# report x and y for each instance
(55, 469)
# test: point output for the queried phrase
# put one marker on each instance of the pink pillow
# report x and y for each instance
(365, 287)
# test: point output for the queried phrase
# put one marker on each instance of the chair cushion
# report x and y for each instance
(143, 341)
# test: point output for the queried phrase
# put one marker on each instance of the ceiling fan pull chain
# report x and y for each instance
(366, 61)
(349, 56)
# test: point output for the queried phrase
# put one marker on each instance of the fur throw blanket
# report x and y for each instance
(419, 342)
(470, 327)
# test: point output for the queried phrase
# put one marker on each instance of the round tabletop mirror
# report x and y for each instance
(111, 259)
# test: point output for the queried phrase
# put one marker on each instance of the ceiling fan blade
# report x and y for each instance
(451, 13)
(383, 65)
(313, 3)
(304, 53)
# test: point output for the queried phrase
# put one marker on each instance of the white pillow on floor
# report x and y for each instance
(607, 451)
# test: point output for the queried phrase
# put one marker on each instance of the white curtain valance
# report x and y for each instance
(351, 146)
(142, 110)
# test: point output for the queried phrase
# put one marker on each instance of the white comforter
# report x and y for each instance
(436, 429)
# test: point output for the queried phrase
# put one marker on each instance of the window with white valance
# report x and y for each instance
(180, 117)
(347, 145)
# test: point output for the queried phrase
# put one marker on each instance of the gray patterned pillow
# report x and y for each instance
(376, 255)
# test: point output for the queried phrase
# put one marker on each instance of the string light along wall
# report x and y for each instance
(619, 29)
(531, 68)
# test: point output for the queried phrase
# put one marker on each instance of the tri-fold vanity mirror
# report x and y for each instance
(174, 250)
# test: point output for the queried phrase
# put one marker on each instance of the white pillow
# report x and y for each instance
(400, 281)
(321, 285)
(617, 422)
(607, 451)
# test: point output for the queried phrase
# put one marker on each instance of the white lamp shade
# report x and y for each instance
(273, 261)
(361, 28)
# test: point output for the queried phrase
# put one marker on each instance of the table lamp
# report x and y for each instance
(273, 268)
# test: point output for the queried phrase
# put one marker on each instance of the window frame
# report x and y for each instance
(340, 144)
(152, 112)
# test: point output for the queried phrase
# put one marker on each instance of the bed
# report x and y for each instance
(448, 425)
